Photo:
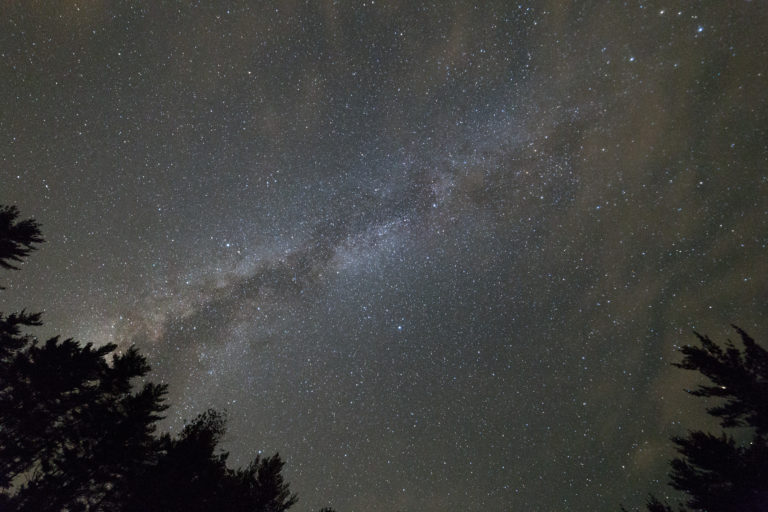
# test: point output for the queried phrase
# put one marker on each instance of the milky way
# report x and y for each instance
(437, 255)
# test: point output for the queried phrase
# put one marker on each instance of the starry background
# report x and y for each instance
(438, 254)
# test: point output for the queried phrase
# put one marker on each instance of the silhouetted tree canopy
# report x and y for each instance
(192, 475)
(77, 434)
(716, 472)
(17, 237)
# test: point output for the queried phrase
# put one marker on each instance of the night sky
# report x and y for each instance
(437, 254)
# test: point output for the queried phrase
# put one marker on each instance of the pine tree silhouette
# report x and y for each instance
(17, 237)
(715, 472)
(192, 475)
(77, 435)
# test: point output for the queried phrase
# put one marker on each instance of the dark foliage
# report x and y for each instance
(715, 472)
(740, 377)
(17, 237)
(192, 475)
(73, 431)
(78, 434)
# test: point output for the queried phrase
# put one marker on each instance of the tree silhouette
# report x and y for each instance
(73, 426)
(77, 435)
(716, 472)
(17, 237)
(17, 240)
(192, 475)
